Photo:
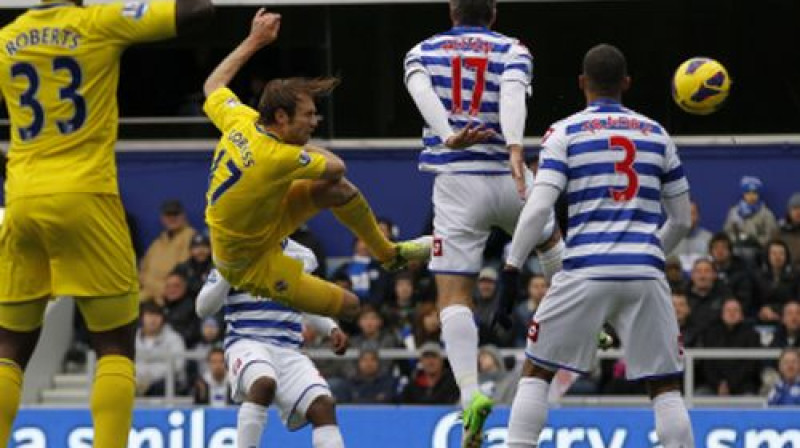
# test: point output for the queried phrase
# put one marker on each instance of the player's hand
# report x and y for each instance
(339, 341)
(509, 281)
(469, 135)
(516, 159)
(265, 27)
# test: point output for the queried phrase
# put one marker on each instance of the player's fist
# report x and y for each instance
(339, 341)
(265, 28)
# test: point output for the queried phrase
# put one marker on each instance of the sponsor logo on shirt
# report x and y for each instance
(134, 10)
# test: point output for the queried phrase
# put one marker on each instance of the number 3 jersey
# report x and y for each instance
(614, 165)
(466, 66)
(59, 70)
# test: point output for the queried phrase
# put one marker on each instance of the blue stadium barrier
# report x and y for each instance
(390, 180)
(416, 427)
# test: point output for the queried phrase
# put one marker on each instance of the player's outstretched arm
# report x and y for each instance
(191, 15)
(263, 31)
(531, 223)
(212, 296)
(679, 221)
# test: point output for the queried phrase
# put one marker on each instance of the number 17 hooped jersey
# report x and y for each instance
(615, 166)
(466, 66)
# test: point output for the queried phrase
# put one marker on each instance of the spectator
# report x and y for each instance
(751, 218)
(789, 230)
(199, 264)
(685, 322)
(695, 244)
(370, 282)
(212, 387)
(537, 288)
(154, 340)
(370, 385)
(427, 327)
(165, 252)
(777, 282)
(373, 336)
(733, 271)
(433, 382)
(400, 311)
(732, 376)
(491, 370)
(673, 270)
(787, 391)
(705, 294)
(485, 302)
(210, 335)
(389, 228)
(179, 306)
(788, 333)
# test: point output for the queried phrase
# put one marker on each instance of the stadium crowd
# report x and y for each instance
(735, 288)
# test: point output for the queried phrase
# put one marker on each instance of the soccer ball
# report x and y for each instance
(700, 86)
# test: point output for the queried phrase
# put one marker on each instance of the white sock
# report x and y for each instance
(460, 336)
(250, 425)
(673, 427)
(327, 436)
(528, 413)
(551, 260)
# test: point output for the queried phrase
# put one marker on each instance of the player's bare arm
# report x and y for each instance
(191, 15)
(334, 166)
(516, 158)
(264, 31)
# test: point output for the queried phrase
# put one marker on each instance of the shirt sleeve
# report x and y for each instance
(135, 21)
(223, 108)
(673, 181)
(519, 65)
(297, 163)
(413, 62)
(553, 168)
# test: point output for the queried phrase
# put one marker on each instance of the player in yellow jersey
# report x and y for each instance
(266, 181)
(64, 232)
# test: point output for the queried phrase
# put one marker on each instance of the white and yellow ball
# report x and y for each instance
(700, 86)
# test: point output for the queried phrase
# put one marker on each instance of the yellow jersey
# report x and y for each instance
(59, 71)
(251, 171)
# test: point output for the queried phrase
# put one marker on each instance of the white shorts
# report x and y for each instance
(563, 332)
(299, 383)
(465, 208)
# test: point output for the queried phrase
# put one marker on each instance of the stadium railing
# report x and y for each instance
(171, 398)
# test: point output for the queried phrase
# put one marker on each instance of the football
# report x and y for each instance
(700, 86)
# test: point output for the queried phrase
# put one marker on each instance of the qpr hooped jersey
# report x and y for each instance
(264, 320)
(614, 165)
(466, 66)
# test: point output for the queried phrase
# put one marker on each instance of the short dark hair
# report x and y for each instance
(214, 350)
(283, 94)
(605, 68)
(152, 308)
(720, 237)
(473, 12)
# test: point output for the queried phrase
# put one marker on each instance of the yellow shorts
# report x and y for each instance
(261, 268)
(100, 313)
(70, 244)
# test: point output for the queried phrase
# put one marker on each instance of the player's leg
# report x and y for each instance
(112, 323)
(322, 415)
(650, 339)
(561, 336)
(253, 371)
(25, 283)
(92, 260)
(351, 208)
(20, 326)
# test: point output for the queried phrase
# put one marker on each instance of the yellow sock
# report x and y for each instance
(358, 217)
(11, 391)
(112, 401)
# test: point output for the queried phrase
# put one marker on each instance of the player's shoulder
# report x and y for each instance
(648, 125)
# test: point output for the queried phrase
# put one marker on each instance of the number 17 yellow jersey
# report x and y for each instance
(59, 71)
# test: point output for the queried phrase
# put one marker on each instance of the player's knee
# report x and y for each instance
(664, 385)
(322, 411)
(262, 391)
(351, 307)
(335, 193)
(532, 370)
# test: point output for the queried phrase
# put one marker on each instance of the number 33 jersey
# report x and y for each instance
(59, 70)
(467, 66)
(615, 166)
